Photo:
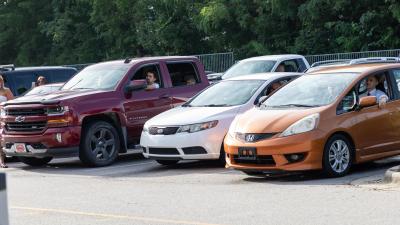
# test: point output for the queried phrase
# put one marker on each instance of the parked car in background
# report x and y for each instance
(196, 129)
(44, 89)
(100, 112)
(322, 120)
(263, 64)
(20, 79)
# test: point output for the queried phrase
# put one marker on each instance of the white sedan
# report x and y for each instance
(196, 129)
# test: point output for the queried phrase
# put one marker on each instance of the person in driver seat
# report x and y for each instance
(151, 80)
(372, 83)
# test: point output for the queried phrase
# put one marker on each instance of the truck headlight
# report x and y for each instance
(197, 127)
(306, 124)
(57, 110)
(2, 112)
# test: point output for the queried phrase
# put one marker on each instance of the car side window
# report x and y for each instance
(290, 65)
(302, 65)
(383, 85)
(348, 103)
(142, 72)
(396, 75)
(183, 74)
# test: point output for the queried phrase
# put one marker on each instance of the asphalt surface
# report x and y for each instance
(139, 191)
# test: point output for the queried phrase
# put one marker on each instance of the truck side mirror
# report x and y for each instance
(135, 85)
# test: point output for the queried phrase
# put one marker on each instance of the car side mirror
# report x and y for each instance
(367, 101)
(135, 85)
(261, 100)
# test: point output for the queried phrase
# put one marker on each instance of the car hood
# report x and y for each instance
(54, 97)
(270, 121)
(192, 115)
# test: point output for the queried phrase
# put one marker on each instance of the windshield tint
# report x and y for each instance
(310, 91)
(100, 76)
(226, 93)
(249, 67)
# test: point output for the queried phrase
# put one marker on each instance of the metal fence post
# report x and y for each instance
(3, 200)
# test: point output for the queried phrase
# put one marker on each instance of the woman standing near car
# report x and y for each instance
(5, 95)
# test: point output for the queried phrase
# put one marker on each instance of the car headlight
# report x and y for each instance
(58, 110)
(306, 124)
(197, 127)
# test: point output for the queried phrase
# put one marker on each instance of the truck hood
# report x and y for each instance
(52, 98)
(192, 115)
(270, 121)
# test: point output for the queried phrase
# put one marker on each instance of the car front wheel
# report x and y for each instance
(338, 156)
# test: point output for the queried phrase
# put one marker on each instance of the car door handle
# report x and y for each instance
(165, 96)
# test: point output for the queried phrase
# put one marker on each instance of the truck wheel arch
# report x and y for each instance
(113, 119)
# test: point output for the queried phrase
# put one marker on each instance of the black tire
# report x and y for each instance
(254, 173)
(36, 162)
(222, 156)
(337, 163)
(100, 144)
(167, 162)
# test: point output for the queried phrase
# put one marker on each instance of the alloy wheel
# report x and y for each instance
(339, 156)
(102, 143)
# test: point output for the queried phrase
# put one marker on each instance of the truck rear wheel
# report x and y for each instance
(32, 161)
(100, 144)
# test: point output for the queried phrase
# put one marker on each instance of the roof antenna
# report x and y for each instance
(127, 60)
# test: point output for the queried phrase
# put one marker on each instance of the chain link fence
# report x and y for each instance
(353, 55)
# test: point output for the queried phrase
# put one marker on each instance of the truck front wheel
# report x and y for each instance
(100, 144)
(32, 161)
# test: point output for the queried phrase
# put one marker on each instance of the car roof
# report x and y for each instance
(273, 57)
(41, 68)
(264, 76)
(358, 68)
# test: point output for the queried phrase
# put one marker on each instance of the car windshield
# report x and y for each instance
(310, 91)
(249, 67)
(226, 93)
(100, 76)
(43, 90)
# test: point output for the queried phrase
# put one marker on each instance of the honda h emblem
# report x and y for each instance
(250, 137)
(159, 131)
(20, 119)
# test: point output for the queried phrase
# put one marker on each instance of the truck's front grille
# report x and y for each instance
(26, 126)
(26, 111)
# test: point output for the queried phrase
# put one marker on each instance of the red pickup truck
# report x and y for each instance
(99, 112)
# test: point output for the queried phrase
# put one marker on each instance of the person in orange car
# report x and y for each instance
(328, 119)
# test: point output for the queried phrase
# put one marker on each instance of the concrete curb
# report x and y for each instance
(3, 200)
(392, 175)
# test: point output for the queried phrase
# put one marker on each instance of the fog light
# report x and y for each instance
(294, 157)
(59, 137)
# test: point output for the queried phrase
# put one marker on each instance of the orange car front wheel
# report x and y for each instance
(338, 156)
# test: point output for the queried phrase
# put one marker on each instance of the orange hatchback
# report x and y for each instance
(329, 119)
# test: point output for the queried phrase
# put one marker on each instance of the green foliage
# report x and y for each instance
(44, 32)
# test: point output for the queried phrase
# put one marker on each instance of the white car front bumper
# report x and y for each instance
(204, 144)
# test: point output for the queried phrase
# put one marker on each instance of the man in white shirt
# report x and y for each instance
(151, 81)
(381, 97)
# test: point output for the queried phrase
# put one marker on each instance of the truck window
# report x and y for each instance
(141, 73)
(183, 74)
(22, 81)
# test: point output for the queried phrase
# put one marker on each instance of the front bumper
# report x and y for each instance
(176, 145)
(46, 144)
(309, 144)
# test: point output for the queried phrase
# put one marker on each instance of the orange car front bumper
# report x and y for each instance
(278, 149)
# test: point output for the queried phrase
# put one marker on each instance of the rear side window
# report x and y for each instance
(302, 65)
(183, 74)
(396, 75)
(290, 65)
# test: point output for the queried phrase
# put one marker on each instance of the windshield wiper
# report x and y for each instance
(82, 88)
(295, 105)
(215, 105)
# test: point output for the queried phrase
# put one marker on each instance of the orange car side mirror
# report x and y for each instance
(367, 101)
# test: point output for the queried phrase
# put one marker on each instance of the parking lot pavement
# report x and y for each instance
(139, 191)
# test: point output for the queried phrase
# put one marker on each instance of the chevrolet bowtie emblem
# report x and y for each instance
(20, 119)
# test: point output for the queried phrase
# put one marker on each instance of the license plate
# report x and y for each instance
(20, 148)
(247, 153)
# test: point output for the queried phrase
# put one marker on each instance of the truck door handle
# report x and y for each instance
(164, 96)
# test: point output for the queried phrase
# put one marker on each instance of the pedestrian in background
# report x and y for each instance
(5, 95)
(41, 81)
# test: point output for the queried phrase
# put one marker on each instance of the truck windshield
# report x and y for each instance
(310, 91)
(226, 93)
(249, 67)
(100, 76)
